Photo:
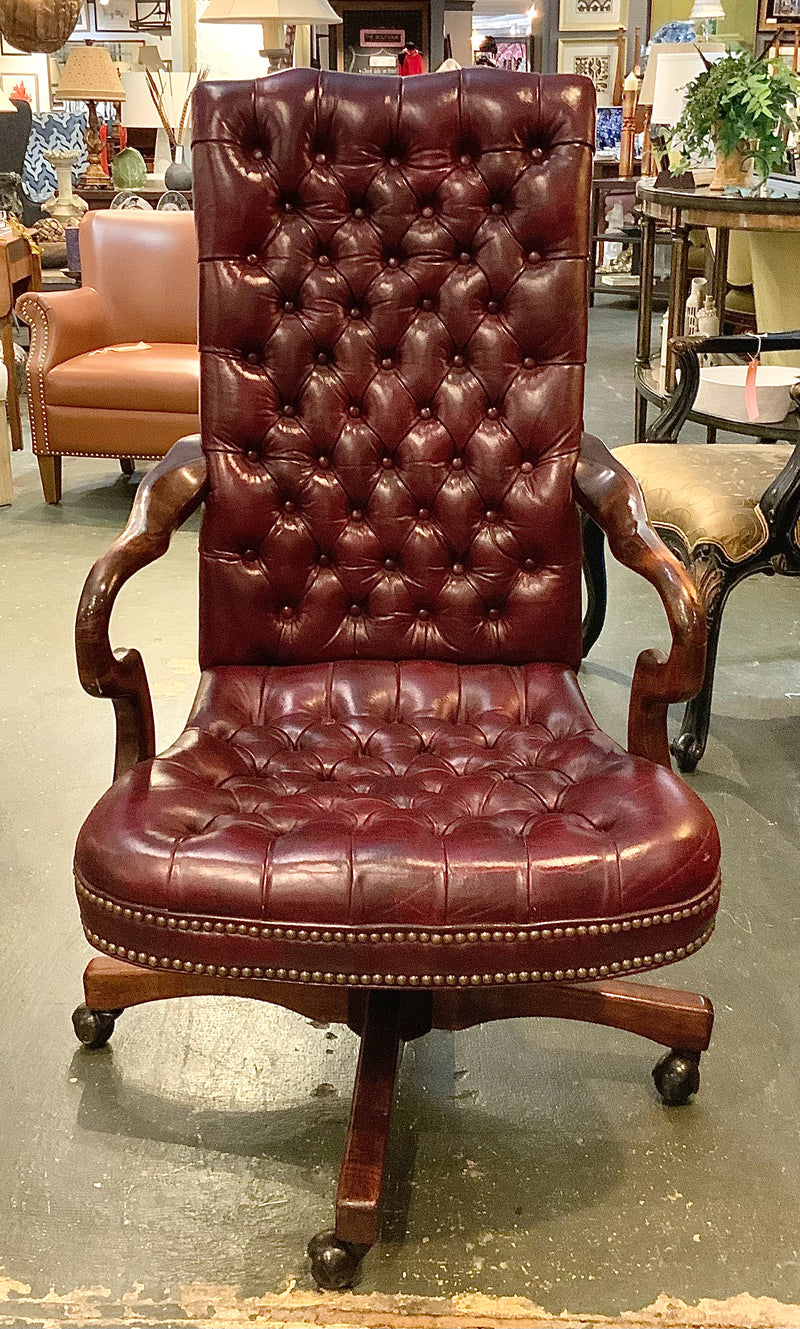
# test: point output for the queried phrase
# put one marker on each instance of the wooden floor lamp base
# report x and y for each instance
(680, 1021)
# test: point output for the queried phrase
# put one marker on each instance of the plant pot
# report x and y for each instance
(736, 168)
(178, 174)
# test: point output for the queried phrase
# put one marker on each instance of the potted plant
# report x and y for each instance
(739, 106)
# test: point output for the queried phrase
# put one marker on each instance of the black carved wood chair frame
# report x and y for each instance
(713, 572)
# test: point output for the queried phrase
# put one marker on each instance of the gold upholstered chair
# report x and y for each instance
(727, 510)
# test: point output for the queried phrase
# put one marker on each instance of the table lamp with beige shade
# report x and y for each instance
(273, 16)
(91, 76)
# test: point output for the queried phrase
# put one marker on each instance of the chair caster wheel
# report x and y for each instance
(93, 1028)
(677, 1076)
(334, 1263)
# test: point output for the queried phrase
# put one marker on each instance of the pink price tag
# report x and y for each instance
(750, 394)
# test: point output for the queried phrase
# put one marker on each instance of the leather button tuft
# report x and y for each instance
(288, 410)
(387, 362)
(392, 262)
(289, 506)
(492, 307)
(358, 213)
(427, 212)
(492, 413)
(321, 357)
(320, 159)
(497, 208)
(356, 514)
(323, 561)
(491, 515)
(250, 556)
(355, 312)
(258, 155)
(253, 455)
(529, 565)
(423, 614)
(536, 154)
(287, 207)
(526, 467)
(286, 613)
(464, 257)
(324, 463)
(387, 463)
(465, 159)
(533, 257)
(458, 569)
(394, 161)
(493, 614)
(423, 514)
(323, 261)
(528, 362)
(425, 412)
(252, 258)
(389, 564)
(356, 611)
(426, 303)
(458, 463)
(252, 357)
(458, 361)
(288, 307)
(353, 411)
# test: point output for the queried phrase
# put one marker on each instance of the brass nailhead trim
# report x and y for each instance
(425, 938)
(638, 962)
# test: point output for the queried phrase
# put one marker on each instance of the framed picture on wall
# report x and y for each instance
(114, 16)
(512, 54)
(596, 60)
(21, 87)
(600, 15)
(83, 18)
(776, 14)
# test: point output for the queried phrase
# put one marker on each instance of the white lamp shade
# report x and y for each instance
(674, 72)
(706, 9)
(6, 103)
(90, 75)
(260, 11)
(661, 51)
(139, 110)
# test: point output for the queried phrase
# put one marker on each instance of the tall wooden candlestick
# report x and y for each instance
(630, 90)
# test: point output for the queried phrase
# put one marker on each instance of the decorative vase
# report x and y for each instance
(65, 205)
(178, 174)
(128, 170)
(735, 168)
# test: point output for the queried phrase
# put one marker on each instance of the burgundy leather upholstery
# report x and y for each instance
(390, 775)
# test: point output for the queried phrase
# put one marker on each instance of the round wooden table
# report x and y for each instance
(679, 210)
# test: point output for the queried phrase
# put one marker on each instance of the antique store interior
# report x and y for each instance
(170, 1165)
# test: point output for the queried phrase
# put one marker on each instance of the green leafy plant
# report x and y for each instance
(739, 103)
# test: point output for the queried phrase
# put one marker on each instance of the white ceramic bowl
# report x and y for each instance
(721, 392)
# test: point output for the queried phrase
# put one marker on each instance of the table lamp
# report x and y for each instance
(272, 15)
(90, 76)
(705, 13)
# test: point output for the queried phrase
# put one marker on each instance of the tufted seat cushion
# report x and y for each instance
(418, 822)
(708, 495)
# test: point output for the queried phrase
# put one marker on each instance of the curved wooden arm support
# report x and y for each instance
(166, 497)
(613, 499)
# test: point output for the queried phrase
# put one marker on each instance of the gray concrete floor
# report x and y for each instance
(530, 1159)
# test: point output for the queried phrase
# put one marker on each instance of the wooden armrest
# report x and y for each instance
(165, 498)
(612, 498)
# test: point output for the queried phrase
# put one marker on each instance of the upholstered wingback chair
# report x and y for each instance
(391, 805)
(113, 369)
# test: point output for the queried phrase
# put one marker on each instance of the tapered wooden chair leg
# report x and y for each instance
(335, 1256)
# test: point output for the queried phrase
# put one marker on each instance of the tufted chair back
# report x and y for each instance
(393, 316)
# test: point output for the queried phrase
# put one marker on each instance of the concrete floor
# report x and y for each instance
(530, 1159)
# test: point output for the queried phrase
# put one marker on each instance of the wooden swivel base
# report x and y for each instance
(385, 1020)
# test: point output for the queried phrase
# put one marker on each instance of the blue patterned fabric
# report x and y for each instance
(608, 129)
(53, 131)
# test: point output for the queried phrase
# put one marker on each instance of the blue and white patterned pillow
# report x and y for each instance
(53, 131)
(608, 129)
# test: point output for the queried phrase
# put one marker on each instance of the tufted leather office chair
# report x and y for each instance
(390, 805)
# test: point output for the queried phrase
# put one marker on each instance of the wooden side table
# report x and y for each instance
(678, 210)
(20, 271)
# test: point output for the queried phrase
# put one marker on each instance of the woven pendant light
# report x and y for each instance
(38, 25)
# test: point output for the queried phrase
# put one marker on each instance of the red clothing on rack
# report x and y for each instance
(412, 64)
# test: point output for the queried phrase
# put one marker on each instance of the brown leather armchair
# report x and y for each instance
(114, 369)
(390, 806)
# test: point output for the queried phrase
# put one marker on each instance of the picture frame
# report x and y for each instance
(11, 81)
(597, 60)
(774, 15)
(83, 18)
(512, 53)
(115, 16)
(593, 15)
